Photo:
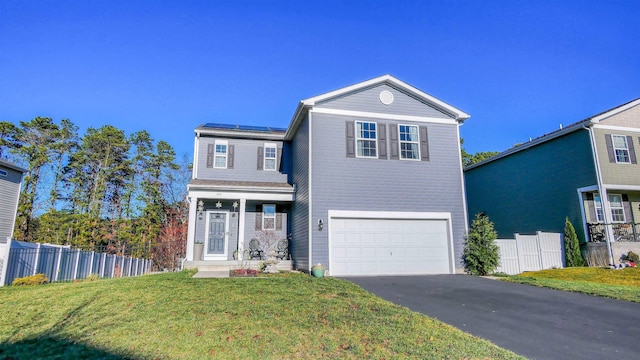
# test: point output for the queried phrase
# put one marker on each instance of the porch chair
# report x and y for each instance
(282, 249)
(255, 252)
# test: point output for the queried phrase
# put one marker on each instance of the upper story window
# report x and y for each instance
(366, 139)
(616, 205)
(409, 142)
(621, 149)
(3, 173)
(270, 153)
(268, 217)
(220, 158)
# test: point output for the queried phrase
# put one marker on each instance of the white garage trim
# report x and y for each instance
(346, 214)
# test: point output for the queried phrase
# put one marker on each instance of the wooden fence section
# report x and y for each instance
(530, 253)
(62, 263)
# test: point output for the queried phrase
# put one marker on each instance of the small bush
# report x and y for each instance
(572, 255)
(93, 277)
(37, 279)
(481, 254)
(633, 257)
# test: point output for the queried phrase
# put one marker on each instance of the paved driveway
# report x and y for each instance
(534, 322)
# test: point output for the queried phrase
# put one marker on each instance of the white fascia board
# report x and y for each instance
(421, 119)
(621, 187)
(627, 106)
(295, 120)
(242, 189)
(588, 189)
(231, 195)
(616, 128)
(390, 215)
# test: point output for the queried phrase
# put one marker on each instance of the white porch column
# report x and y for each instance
(191, 235)
(608, 220)
(243, 206)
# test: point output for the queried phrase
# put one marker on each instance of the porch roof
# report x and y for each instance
(240, 186)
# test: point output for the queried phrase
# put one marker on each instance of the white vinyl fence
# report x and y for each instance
(62, 263)
(530, 253)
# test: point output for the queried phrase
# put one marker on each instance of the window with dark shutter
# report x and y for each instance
(382, 141)
(393, 143)
(632, 150)
(610, 152)
(230, 157)
(210, 148)
(351, 139)
(260, 158)
(424, 144)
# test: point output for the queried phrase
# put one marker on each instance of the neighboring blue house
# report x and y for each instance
(366, 180)
(568, 173)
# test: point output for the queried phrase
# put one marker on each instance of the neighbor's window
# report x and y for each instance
(615, 203)
(409, 142)
(268, 217)
(3, 173)
(617, 211)
(270, 153)
(621, 148)
(366, 139)
(220, 160)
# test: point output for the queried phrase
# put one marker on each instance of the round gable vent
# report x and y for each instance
(386, 97)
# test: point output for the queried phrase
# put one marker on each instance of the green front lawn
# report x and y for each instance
(173, 316)
(623, 284)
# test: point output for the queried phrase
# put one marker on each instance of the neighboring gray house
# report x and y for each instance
(366, 180)
(10, 183)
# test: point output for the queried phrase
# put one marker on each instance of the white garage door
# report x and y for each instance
(389, 246)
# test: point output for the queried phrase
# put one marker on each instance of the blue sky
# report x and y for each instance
(520, 68)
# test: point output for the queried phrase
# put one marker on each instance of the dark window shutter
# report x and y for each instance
(626, 206)
(259, 217)
(632, 150)
(424, 144)
(393, 142)
(593, 218)
(351, 139)
(260, 158)
(609, 142)
(279, 159)
(230, 157)
(210, 149)
(382, 141)
(278, 221)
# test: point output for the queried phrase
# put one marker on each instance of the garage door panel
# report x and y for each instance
(389, 246)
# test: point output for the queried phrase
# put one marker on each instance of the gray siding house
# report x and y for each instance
(366, 180)
(568, 173)
(10, 183)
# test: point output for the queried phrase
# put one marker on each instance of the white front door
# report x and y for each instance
(217, 235)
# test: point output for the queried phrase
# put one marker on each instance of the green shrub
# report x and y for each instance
(572, 255)
(481, 254)
(37, 279)
(633, 257)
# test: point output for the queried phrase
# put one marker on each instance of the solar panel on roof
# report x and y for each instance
(242, 127)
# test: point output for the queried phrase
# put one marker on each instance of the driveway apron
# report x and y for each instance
(534, 322)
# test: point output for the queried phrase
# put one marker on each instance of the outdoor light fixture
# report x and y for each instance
(320, 225)
(200, 209)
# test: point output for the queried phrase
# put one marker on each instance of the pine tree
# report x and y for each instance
(572, 255)
(481, 254)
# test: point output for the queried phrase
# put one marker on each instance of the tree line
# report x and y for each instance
(100, 188)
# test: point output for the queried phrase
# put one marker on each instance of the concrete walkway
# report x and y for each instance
(537, 323)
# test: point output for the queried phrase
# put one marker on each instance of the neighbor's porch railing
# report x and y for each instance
(624, 232)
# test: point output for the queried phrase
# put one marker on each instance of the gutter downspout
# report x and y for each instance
(604, 197)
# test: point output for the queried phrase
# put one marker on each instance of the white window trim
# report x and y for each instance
(408, 142)
(215, 153)
(598, 205)
(264, 217)
(626, 148)
(357, 137)
(264, 156)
